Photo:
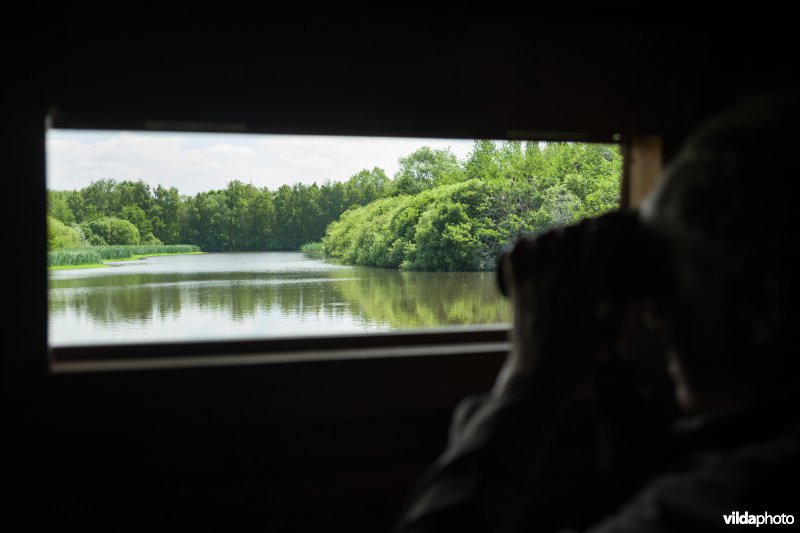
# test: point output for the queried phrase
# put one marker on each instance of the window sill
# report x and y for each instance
(473, 340)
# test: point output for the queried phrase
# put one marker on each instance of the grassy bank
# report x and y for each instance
(96, 256)
(77, 267)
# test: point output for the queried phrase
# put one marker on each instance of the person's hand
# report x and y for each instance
(560, 285)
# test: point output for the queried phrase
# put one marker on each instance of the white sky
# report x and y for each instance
(195, 162)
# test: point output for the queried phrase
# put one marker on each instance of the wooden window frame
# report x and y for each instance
(641, 170)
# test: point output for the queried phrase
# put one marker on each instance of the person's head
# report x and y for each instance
(727, 206)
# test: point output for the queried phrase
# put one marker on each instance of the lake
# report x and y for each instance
(226, 296)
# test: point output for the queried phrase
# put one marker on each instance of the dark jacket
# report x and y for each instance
(494, 474)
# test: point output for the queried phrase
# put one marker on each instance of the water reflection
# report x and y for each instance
(226, 296)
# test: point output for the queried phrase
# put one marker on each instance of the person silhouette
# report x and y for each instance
(720, 289)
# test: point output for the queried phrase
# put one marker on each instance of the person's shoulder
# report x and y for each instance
(703, 490)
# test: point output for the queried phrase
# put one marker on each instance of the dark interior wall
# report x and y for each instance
(305, 446)
(330, 446)
(470, 74)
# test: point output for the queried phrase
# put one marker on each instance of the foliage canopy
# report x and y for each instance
(436, 213)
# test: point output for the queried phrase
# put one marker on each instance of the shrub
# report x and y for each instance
(151, 240)
(97, 240)
(313, 248)
(114, 230)
(61, 236)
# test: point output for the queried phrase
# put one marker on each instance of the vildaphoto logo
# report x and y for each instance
(763, 519)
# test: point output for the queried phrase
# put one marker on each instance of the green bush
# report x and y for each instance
(97, 240)
(114, 231)
(434, 230)
(445, 239)
(464, 226)
(151, 239)
(61, 236)
(313, 248)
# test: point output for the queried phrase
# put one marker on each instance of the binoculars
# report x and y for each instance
(623, 259)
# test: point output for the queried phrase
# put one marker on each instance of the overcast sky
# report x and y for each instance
(195, 162)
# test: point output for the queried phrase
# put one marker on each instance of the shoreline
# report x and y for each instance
(105, 264)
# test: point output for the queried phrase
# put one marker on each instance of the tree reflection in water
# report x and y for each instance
(260, 295)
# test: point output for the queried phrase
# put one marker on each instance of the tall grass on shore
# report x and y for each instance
(313, 248)
(97, 254)
(110, 253)
(73, 257)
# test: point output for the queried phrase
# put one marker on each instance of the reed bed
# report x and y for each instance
(97, 254)
(74, 257)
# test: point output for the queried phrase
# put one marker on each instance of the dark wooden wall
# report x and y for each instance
(334, 445)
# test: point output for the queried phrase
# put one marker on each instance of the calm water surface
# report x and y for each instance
(251, 295)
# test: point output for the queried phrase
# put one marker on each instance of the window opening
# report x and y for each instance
(174, 237)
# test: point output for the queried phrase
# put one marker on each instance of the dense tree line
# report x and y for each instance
(240, 217)
(461, 218)
(437, 213)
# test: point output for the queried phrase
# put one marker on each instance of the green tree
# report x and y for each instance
(534, 162)
(444, 239)
(167, 214)
(426, 168)
(437, 213)
(242, 229)
(287, 219)
(511, 160)
(77, 205)
(333, 200)
(483, 163)
(136, 193)
(311, 226)
(262, 213)
(209, 221)
(516, 189)
(136, 216)
(366, 186)
(603, 197)
(58, 208)
(100, 199)
(60, 236)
